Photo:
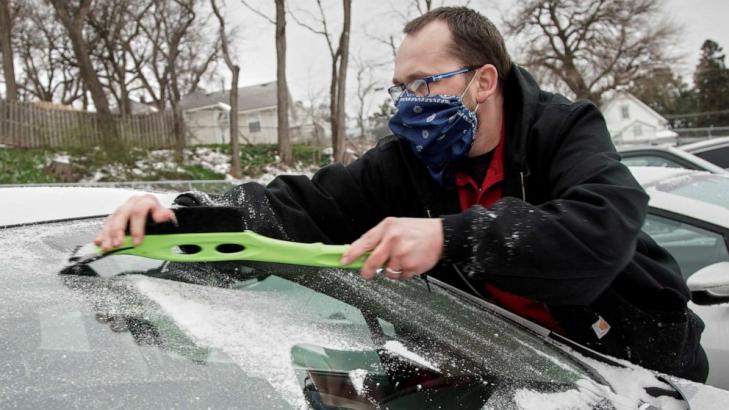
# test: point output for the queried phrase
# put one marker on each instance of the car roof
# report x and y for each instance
(648, 176)
(644, 147)
(705, 144)
(21, 205)
(699, 162)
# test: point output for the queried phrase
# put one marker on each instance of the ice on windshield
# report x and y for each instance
(257, 329)
(290, 334)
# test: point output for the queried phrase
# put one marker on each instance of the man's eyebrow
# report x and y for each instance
(412, 76)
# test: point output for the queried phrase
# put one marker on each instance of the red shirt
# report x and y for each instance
(469, 194)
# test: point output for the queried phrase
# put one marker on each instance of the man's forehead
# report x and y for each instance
(424, 52)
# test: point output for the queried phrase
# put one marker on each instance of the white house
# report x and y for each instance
(207, 122)
(630, 121)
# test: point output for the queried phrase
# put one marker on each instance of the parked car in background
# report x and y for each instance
(689, 216)
(714, 150)
(138, 333)
(665, 156)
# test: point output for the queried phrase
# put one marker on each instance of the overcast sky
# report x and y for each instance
(308, 56)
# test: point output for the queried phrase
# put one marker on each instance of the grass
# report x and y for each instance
(26, 166)
(23, 166)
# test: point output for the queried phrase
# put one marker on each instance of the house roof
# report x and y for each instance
(629, 96)
(251, 97)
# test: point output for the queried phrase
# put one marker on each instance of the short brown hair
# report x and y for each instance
(476, 40)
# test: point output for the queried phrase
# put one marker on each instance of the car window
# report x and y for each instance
(650, 161)
(691, 246)
(718, 156)
(710, 188)
(271, 336)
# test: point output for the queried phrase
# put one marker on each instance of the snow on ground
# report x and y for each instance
(162, 160)
(272, 171)
(32, 204)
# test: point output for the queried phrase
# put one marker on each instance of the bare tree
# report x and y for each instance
(115, 26)
(338, 81)
(366, 86)
(400, 13)
(173, 56)
(48, 68)
(7, 15)
(233, 114)
(282, 89)
(175, 38)
(74, 21)
(592, 46)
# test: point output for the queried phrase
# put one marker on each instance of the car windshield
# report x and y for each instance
(143, 333)
(710, 188)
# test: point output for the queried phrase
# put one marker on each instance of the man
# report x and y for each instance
(519, 191)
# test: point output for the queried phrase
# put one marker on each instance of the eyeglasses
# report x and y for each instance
(421, 87)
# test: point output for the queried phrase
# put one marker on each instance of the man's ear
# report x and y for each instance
(488, 82)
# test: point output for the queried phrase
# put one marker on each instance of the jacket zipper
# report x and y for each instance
(523, 189)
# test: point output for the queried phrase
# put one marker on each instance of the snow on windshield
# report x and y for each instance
(256, 329)
(398, 348)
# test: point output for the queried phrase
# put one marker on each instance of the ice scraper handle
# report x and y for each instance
(235, 246)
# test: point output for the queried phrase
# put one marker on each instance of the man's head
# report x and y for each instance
(446, 39)
(449, 38)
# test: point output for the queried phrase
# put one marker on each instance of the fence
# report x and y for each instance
(689, 135)
(26, 125)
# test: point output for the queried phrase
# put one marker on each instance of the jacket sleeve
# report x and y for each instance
(336, 205)
(569, 249)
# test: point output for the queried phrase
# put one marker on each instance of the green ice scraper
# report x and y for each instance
(221, 246)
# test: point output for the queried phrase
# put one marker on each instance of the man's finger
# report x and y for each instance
(161, 214)
(377, 258)
(136, 225)
(366, 242)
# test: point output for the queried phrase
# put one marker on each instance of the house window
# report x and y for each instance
(625, 112)
(637, 131)
(254, 124)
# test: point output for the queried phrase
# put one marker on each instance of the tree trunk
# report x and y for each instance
(339, 148)
(233, 116)
(282, 89)
(333, 108)
(74, 25)
(179, 126)
(6, 49)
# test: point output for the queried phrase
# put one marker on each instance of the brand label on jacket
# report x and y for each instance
(601, 327)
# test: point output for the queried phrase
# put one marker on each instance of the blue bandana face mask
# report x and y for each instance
(440, 130)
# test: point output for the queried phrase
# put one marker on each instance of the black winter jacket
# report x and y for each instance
(567, 231)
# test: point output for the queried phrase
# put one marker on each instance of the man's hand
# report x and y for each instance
(406, 246)
(134, 213)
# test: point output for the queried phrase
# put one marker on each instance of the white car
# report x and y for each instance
(689, 216)
(237, 335)
(714, 150)
(665, 156)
